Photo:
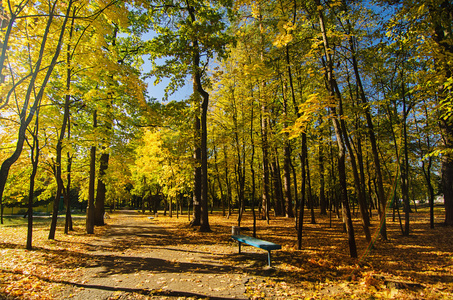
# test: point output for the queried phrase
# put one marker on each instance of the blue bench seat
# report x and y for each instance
(268, 246)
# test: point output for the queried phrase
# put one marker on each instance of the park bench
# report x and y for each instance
(269, 246)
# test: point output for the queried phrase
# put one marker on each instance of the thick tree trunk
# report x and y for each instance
(196, 217)
(204, 159)
(447, 172)
(443, 18)
(99, 207)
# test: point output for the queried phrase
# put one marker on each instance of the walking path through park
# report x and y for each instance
(137, 257)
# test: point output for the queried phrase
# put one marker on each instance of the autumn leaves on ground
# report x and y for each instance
(137, 257)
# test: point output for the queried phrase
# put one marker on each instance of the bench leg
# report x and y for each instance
(269, 257)
(239, 247)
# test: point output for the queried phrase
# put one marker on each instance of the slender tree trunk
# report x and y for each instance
(227, 181)
(59, 154)
(322, 193)
(34, 161)
(377, 164)
(264, 134)
(340, 141)
(90, 207)
(68, 220)
(27, 113)
(278, 197)
(222, 197)
(405, 166)
(4, 101)
(287, 147)
(252, 170)
(311, 202)
(296, 198)
(66, 123)
(426, 168)
(240, 169)
(287, 182)
(303, 160)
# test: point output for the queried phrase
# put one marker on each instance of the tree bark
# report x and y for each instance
(377, 164)
(60, 186)
(196, 217)
(99, 207)
(90, 207)
(34, 161)
(443, 14)
(331, 84)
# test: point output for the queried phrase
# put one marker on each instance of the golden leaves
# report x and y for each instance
(285, 36)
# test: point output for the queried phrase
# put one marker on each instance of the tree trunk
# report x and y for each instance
(322, 193)
(426, 168)
(90, 207)
(57, 167)
(311, 202)
(264, 134)
(227, 181)
(447, 172)
(26, 118)
(443, 18)
(405, 166)
(331, 84)
(222, 197)
(34, 161)
(377, 164)
(278, 197)
(68, 219)
(252, 170)
(99, 207)
(303, 160)
(204, 140)
(196, 218)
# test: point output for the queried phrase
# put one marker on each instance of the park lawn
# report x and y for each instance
(414, 267)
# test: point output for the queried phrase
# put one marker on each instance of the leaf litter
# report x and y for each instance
(414, 267)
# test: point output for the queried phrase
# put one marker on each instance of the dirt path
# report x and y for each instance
(137, 258)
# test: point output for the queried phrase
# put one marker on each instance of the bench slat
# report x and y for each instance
(256, 242)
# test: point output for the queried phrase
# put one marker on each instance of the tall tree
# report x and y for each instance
(332, 88)
(33, 78)
(433, 20)
(190, 33)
